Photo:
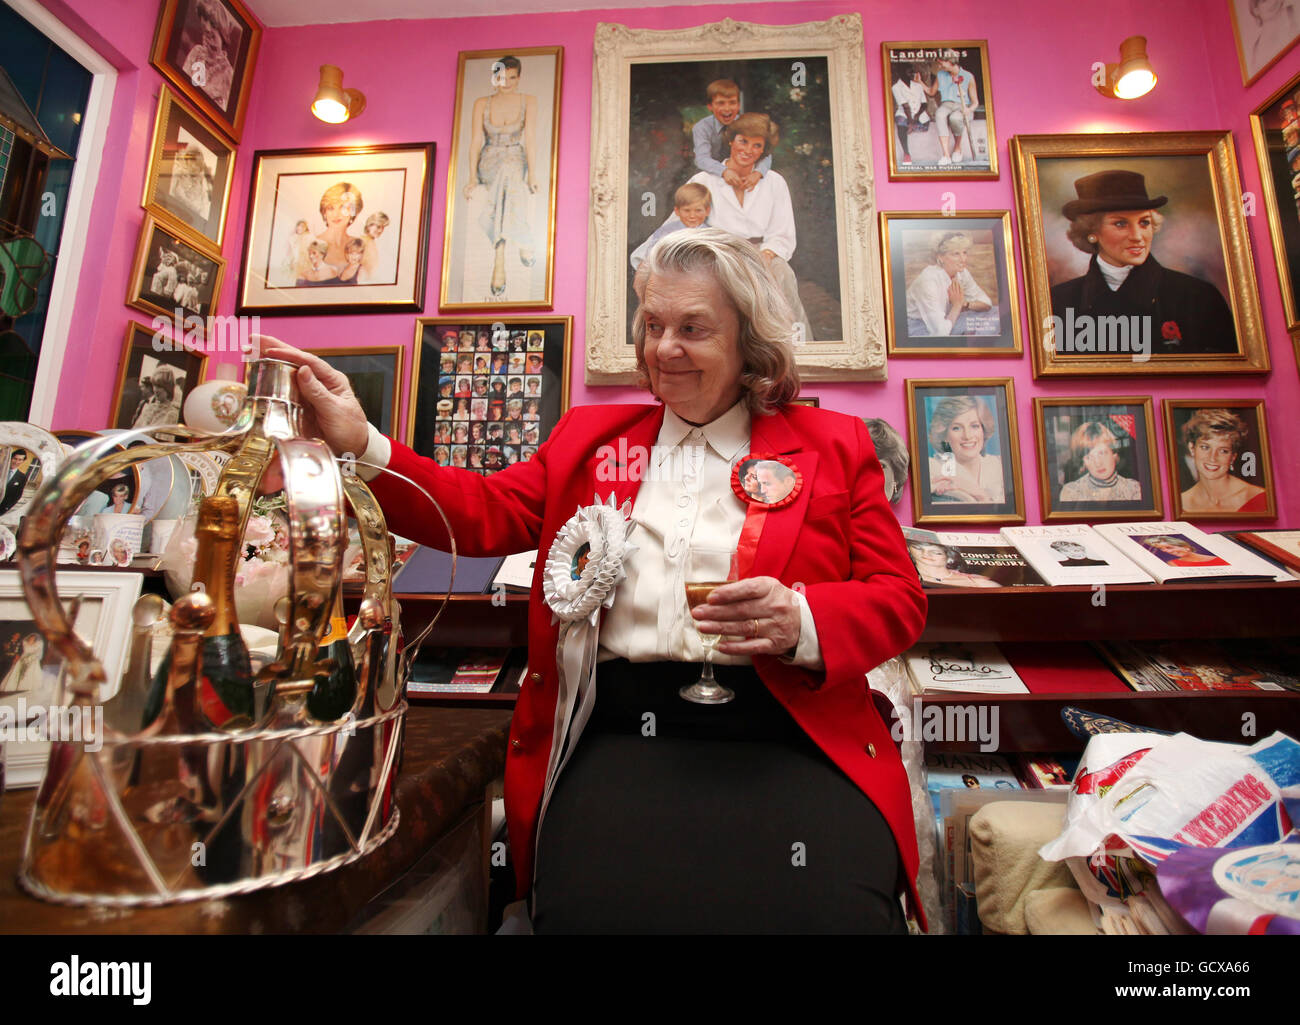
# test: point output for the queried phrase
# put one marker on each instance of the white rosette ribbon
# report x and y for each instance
(583, 569)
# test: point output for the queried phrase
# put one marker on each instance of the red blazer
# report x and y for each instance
(839, 539)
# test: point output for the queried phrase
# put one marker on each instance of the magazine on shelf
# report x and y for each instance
(1176, 551)
(972, 667)
(465, 671)
(516, 572)
(1278, 547)
(946, 770)
(1048, 771)
(1195, 664)
(1074, 554)
(974, 559)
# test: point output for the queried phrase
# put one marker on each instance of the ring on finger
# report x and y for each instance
(753, 628)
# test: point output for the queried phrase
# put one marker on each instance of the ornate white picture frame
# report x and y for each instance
(824, 55)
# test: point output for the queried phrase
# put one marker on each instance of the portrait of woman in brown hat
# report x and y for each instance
(1115, 221)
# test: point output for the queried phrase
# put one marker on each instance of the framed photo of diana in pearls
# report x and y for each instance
(1136, 255)
(1097, 459)
(965, 451)
(1219, 464)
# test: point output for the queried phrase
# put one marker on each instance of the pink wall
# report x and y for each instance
(407, 70)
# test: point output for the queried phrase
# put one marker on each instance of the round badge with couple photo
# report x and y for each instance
(770, 481)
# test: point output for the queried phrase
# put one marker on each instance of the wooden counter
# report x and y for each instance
(451, 756)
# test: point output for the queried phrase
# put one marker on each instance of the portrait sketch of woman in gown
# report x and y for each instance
(499, 243)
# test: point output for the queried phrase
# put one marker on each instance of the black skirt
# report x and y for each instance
(673, 817)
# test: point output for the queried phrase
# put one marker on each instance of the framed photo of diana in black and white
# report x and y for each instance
(190, 170)
(1097, 459)
(174, 273)
(1137, 259)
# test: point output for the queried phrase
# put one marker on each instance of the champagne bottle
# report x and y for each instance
(225, 691)
(335, 688)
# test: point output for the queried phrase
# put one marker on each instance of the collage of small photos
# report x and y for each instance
(490, 396)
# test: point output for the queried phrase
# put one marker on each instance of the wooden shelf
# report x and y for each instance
(1026, 722)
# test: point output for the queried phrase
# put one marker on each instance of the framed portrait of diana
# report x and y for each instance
(758, 130)
(1137, 259)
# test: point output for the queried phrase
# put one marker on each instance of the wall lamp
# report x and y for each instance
(334, 104)
(1133, 76)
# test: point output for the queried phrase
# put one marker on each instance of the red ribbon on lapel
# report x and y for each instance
(764, 482)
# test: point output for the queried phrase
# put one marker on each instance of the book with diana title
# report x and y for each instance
(1074, 553)
(968, 559)
(1196, 664)
(1279, 547)
(1176, 551)
(974, 667)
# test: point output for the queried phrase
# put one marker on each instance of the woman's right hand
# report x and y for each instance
(330, 410)
(956, 298)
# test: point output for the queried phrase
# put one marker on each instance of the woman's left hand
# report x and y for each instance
(756, 616)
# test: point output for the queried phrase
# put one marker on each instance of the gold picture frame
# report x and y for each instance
(381, 399)
(1242, 432)
(991, 262)
(969, 496)
(194, 262)
(810, 77)
(143, 352)
(213, 82)
(519, 349)
(1068, 429)
(973, 60)
(1207, 292)
(471, 260)
(190, 171)
(1263, 44)
(1277, 137)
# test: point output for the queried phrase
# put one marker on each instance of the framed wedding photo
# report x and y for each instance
(152, 385)
(1097, 459)
(1264, 30)
(1276, 128)
(174, 272)
(965, 451)
(207, 49)
(375, 374)
(337, 230)
(1219, 463)
(939, 110)
(925, 253)
(487, 391)
(1160, 214)
(190, 170)
(676, 113)
(499, 243)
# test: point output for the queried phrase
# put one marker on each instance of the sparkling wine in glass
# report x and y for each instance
(706, 569)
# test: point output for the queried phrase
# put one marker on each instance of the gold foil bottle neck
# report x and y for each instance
(219, 516)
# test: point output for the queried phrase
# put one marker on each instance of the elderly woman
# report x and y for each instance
(762, 214)
(960, 427)
(1214, 438)
(693, 831)
(939, 297)
(1095, 446)
(1114, 221)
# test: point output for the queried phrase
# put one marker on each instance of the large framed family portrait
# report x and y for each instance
(759, 130)
(926, 254)
(1136, 254)
(337, 230)
(1097, 459)
(965, 451)
(207, 49)
(499, 244)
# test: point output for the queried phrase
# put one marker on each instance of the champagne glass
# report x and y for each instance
(707, 568)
